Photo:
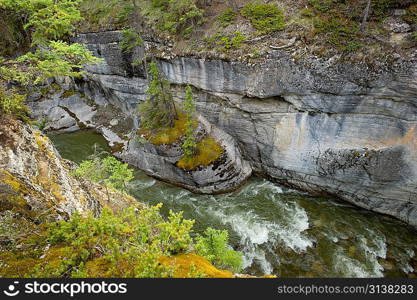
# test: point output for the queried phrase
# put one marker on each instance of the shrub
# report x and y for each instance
(340, 32)
(127, 244)
(108, 171)
(227, 17)
(104, 14)
(213, 245)
(174, 16)
(232, 42)
(167, 135)
(322, 5)
(131, 243)
(130, 41)
(53, 20)
(266, 18)
(207, 152)
(12, 103)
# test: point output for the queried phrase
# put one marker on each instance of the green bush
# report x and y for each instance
(322, 5)
(232, 42)
(133, 243)
(104, 14)
(108, 171)
(207, 151)
(130, 41)
(127, 244)
(266, 18)
(12, 103)
(174, 16)
(227, 17)
(340, 32)
(213, 245)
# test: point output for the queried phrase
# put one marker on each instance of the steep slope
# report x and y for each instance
(36, 182)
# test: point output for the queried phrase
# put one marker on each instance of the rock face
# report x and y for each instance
(226, 174)
(323, 126)
(35, 181)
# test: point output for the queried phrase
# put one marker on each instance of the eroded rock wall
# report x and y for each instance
(323, 126)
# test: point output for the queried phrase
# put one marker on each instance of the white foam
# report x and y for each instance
(257, 234)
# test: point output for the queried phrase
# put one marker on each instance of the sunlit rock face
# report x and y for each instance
(323, 126)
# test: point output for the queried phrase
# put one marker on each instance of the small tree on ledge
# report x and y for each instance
(159, 109)
(189, 146)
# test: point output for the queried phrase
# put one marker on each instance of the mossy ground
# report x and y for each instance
(208, 151)
(194, 265)
(167, 135)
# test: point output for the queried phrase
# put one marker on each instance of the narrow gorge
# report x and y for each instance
(328, 128)
(206, 138)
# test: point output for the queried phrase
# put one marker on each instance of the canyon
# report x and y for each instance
(324, 126)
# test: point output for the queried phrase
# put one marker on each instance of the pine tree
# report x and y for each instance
(159, 109)
(189, 145)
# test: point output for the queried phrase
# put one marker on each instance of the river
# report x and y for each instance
(280, 231)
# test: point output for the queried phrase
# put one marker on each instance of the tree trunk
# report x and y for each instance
(232, 4)
(365, 16)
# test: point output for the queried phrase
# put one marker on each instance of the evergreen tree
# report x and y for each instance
(47, 24)
(159, 109)
(189, 146)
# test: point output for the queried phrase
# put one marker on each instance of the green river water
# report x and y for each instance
(280, 231)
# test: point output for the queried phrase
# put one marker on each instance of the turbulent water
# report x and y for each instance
(280, 231)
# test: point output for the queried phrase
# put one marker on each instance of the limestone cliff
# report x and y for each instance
(320, 125)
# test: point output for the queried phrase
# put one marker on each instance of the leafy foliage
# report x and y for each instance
(47, 22)
(12, 103)
(173, 16)
(213, 245)
(166, 135)
(341, 33)
(108, 171)
(130, 41)
(126, 244)
(339, 21)
(47, 19)
(104, 14)
(131, 243)
(266, 18)
(59, 59)
(227, 17)
(232, 42)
